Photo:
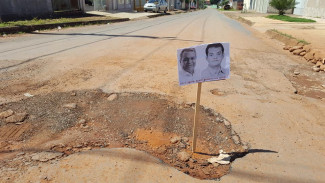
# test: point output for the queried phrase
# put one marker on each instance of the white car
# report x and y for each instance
(156, 6)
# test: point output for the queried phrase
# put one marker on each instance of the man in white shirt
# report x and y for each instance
(187, 62)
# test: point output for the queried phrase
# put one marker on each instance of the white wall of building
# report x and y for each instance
(315, 8)
(299, 10)
(247, 4)
(260, 6)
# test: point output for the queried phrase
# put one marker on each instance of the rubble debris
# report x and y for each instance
(183, 156)
(6, 113)
(185, 139)
(19, 117)
(222, 159)
(316, 69)
(322, 67)
(303, 53)
(296, 72)
(236, 139)
(297, 52)
(112, 97)
(28, 95)
(82, 121)
(219, 120)
(227, 123)
(70, 105)
(45, 156)
(175, 139)
(162, 150)
(295, 48)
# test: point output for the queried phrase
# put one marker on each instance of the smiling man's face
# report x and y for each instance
(215, 56)
(189, 61)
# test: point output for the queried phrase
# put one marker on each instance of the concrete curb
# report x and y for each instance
(158, 15)
(31, 28)
(244, 20)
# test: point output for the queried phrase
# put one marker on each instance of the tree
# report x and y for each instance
(283, 5)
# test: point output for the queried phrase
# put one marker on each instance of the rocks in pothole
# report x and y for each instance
(45, 156)
(162, 150)
(112, 97)
(70, 105)
(10, 116)
(227, 123)
(235, 138)
(182, 145)
(82, 123)
(87, 148)
(182, 142)
(296, 72)
(16, 118)
(220, 120)
(6, 113)
(28, 95)
(175, 139)
(183, 156)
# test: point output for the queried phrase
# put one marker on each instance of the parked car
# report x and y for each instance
(156, 6)
(227, 7)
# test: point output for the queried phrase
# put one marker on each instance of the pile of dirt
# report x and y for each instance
(298, 48)
(71, 122)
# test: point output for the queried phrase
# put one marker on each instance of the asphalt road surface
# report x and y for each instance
(285, 130)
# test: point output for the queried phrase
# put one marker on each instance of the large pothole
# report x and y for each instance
(71, 122)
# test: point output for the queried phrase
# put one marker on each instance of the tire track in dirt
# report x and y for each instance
(94, 33)
(142, 59)
(87, 44)
(13, 132)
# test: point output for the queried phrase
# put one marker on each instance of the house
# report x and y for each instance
(138, 4)
(24, 8)
(110, 5)
(66, 5)
(261, 6)
(13, 9)
(238, 4)
(310, 8)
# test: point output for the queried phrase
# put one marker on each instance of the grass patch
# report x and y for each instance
(303, 41)
(289, 19)
(36, 21)
(291, 37)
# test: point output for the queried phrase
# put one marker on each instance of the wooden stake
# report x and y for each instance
(196, 116)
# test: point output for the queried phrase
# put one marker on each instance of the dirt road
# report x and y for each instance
(285, 130)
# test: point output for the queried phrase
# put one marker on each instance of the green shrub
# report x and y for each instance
(283, 5)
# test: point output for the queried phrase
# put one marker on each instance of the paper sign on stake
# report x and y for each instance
(201, 63)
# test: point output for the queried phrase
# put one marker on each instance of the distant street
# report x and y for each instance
(140, 56)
